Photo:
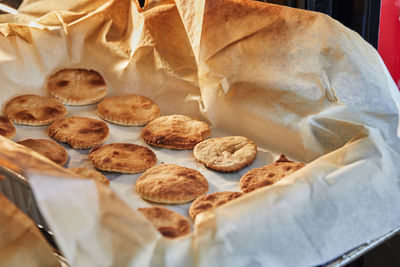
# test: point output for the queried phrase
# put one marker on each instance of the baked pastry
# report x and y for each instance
(122, 157)
(79, 132)
(130, 110)
(48, 148)
(171, 184)
(226, 154)
(211, 201)
(7, 128)
(77, 86)
(34, 110)
(91, 174)
(176, 132)
(268, 175)
(168, 223)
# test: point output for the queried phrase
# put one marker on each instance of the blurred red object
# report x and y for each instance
(389, 37)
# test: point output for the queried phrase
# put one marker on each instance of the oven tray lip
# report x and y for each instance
(17, 184)
(17, 189)
(361, 250)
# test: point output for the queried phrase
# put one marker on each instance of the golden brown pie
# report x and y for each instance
(211, 201)
(77, 86)
(79, 132)
(171, 184)
(176, 132)
(226, 154)
(122, 157)
(7, 128)
(168, 223)
(91, 174)
(268, 175)
(130, 110)
(48, 148)
(34, 110)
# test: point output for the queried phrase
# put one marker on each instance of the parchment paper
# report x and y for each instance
(21, 242)
(296, 82)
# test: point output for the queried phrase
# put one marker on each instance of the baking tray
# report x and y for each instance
(16, 188)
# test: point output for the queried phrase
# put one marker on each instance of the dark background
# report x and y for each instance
(359, 15)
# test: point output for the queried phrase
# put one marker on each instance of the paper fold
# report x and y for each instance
(21, 242)
(296, 82)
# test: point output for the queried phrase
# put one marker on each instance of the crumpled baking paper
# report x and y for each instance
(21, 243)
(294, 81)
